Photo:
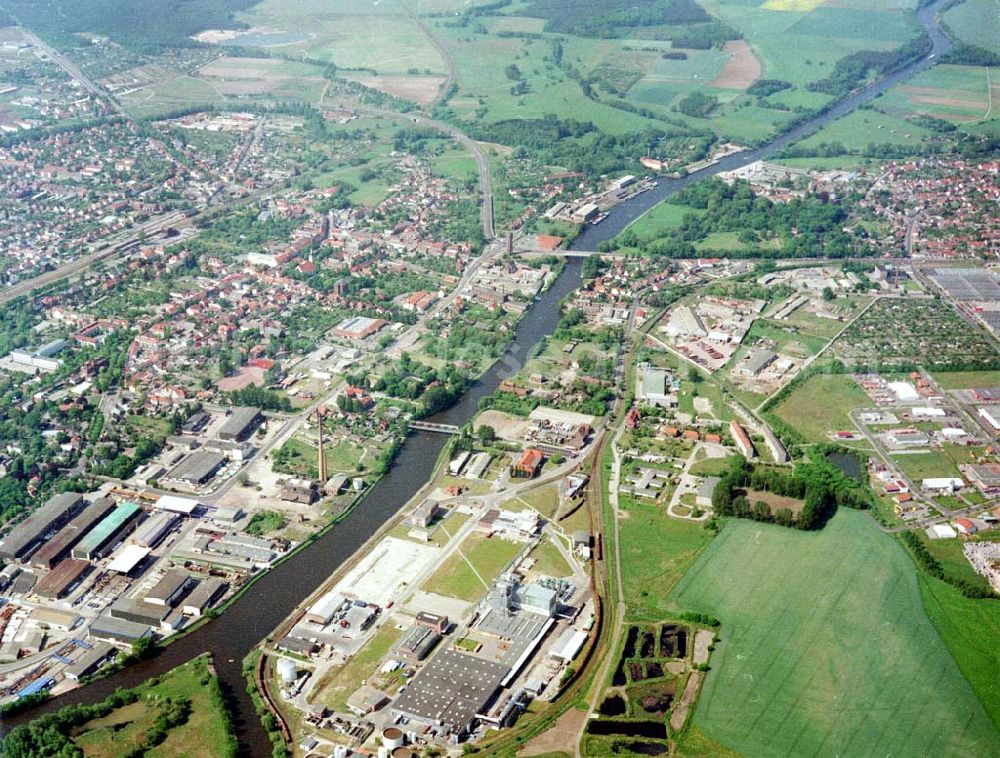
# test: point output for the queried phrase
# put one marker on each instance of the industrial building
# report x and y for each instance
(657, 387)
(528, 465)
(450, 691)
(90, 661)
(41, 358)
(756, 361)
(196, 468)
(108, 533)
(57, 548)
(992, 415)
(62, 579)
(241, 423)
(298, 490)
(138, 611)
(127, 559)
(778, 451)
(118, 630)
(417, 644)
(324, 609)
(153, 530)
(202, 596)
(56, 512)
(359, 327)
(742, 440)
(170, 589)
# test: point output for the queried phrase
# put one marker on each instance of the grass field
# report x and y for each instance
(859, 129)
(549, 561)
(656, 550)
(204, 735)
(826, 649)
(661, 218)
(970, 629)
(820, 405)
(966, 21)
(943, 462)
(957, 93)
(457, 578)
(378, 36)
(963, 380)
(340, 681)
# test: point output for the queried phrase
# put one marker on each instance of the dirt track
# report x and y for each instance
(741, 70)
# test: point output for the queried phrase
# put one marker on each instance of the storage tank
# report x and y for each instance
(393, 737)
(287, 670)
(340, 751)
(402, 752)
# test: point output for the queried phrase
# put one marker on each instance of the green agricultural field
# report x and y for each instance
(821, 405)
(800, 41)
(381, 36)
(963, 380)
(861, 128)
(966, 21)
(970, 629)
(656, 550)
(825, 647)
(481, 62)
(957, 93)
(466, 576)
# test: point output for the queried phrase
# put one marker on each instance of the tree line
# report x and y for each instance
(821, 486)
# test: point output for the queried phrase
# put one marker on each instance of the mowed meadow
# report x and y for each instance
(826, 649)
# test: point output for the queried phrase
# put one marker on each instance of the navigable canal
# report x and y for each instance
(275, 595)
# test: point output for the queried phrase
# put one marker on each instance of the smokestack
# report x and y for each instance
(321, 467)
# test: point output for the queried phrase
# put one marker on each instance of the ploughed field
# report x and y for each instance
(825, 647)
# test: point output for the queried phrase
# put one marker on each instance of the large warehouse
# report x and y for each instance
(450, 690)
(99, 540)
(57, 511)
(241, 424)
(196, 468)
(57, 548)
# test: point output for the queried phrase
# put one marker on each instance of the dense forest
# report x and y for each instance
(145, 25)
(807, 226)
(683, 21)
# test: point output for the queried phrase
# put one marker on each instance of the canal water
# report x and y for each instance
(272, 598)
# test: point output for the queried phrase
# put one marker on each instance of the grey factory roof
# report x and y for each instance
(240, 423)
(197, 467)
(119, 629)
(451, 689)
(168, 588)
(57, 508)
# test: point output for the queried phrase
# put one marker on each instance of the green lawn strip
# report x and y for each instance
(825, 647)
(970, 629)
